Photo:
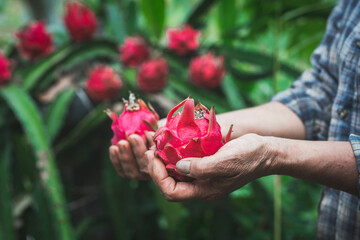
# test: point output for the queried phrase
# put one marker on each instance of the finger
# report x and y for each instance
(149, 155)
(149, 138)
(128, 162)
(199, 168)
(138, 148)
(114, 152)
(172, 190)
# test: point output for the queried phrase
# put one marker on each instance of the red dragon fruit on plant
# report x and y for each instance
(152, 75)
(80, 21)
(192, 133)
(134, 51)
(5, 69)
(34, 41)
(183, 40)
(136, 118)
(103, 83)
(207, 71)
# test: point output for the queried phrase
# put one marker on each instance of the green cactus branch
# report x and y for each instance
(26, 112)
(6, 218)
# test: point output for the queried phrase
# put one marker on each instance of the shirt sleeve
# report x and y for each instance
(355, 143)
(312, 94)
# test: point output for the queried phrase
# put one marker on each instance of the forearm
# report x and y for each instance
(270, 119)
(329, 163)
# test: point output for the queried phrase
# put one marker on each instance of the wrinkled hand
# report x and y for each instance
(237, 163)
(128, 157)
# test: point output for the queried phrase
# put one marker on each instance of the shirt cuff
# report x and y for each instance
(355, 143)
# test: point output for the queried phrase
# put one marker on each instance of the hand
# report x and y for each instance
(237, 163)
(128, 157)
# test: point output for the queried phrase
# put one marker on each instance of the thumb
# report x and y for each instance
(198, 168)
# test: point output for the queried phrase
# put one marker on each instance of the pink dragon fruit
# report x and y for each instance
(152, 75)
(103, 83)
(135, 119)
(34, 41)
(134, 51)
(207, 71)
(80, 21)
(192, 133)
(183, 40)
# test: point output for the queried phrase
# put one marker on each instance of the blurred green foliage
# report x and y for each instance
(266, 45)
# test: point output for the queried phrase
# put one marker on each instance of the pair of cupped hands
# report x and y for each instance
(238, 162)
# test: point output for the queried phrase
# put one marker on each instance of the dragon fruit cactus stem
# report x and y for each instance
(192, 133)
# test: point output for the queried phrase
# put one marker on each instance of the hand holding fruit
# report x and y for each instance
(190, 148)
(128, 157)
(133, 131)
(233, 166)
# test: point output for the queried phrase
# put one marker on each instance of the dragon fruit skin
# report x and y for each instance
(152, 75)
(103, 83)
(183, 40)
(135, 119)
(207, 71)
(134, 51)
(192, 133)
(34, 41)
(80, 21)
(5, 69)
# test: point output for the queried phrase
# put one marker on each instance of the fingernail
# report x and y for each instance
(183, 167)
(133, 141)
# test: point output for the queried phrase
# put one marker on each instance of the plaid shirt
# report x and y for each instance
(327, 99)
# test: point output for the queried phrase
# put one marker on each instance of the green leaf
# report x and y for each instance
(87, 226)
(131, 17)
(227, 16)
(93, 4)
(208, 98)
(6, 218)
(130, 77)
(243, 192)
(24, 161)
(29, 117)
(3, 114)
(260, 59)
(45, 65)
(306, 9)
(232, 94)
(116, 21)
(267, 184)
(154, 13)
(199, 11)
(249, 76)
(173, 212)
(178, 82)
(72, 52)
(88, 123)
(2, 4)
(44, 218)
(27, 113)
(112, 183)
(56, 113)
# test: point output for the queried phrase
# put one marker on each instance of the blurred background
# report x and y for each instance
(56, 179)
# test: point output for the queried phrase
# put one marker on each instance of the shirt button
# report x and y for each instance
(358, 43)
(317, 129)
(342, 113)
